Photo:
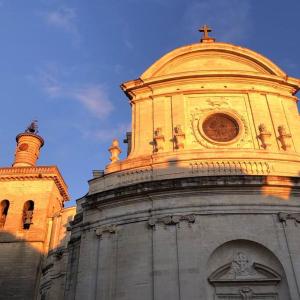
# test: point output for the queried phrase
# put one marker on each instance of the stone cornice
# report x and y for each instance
(241, 77)
(34, 173)
(244, 184)
(32, 135)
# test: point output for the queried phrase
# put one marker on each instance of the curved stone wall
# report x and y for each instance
(159, 241)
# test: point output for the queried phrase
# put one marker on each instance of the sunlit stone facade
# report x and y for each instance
(206, 205)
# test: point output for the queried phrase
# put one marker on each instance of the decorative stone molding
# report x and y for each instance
(284, 138)
(264, 136)
(111, 229)
(171, 220)
(230, 167)
(159, 140)
(115, 151)
(283, 217)
(243, 271)
(218, 102)
(179, 137)
(33, 173)
(134, 176)
(105, 229)
(246, 293)
(77, 219)
(58, 254)
(198, 116)
(241, 267)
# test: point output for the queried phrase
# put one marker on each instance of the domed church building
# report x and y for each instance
(206, 204)
(204, 207)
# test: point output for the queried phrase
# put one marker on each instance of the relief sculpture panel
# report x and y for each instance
(219, 121)
(245, 270)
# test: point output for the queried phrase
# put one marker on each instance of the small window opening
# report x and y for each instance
(27, 214)
(4, 206)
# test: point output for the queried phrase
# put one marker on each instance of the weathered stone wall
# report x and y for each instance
(54, 265)
(19, 268)
(142, 242)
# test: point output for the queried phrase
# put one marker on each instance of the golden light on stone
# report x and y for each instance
(220, 127)
(204, 206)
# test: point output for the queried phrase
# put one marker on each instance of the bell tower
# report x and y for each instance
(31, 211)
(28, 148)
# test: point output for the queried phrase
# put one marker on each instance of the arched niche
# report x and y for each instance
(246, 270)
(28, 214)
(4, 206)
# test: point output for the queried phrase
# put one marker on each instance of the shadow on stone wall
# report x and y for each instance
(20, 266)
(28, 270)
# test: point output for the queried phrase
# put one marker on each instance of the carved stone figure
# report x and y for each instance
(159, 140)
(284, 138)
(264, 136)
(179, 137)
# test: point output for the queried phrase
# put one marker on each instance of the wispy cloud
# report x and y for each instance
(93, 97)
(65, 19)
(231, 19)
(126, 35)
(106, 134)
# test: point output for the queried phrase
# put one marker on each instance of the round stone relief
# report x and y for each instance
(220, 127)
(23, 147)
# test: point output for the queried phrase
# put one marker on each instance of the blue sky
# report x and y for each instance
(62, 63)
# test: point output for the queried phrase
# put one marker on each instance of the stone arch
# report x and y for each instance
(246, 270)
(4, 207)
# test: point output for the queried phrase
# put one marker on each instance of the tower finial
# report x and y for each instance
(32, 127)
(205, 38)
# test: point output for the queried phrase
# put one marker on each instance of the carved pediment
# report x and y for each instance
(242, 270)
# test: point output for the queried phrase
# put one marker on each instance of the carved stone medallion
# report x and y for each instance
(220, 127)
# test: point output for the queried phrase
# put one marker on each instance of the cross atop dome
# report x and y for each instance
(205, 38)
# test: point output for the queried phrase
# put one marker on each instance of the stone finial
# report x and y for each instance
(264, 136)
(159, 140)
(179, 137)
(284, 138)
(114, 150)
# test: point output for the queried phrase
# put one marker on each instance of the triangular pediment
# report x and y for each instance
(256, 273)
